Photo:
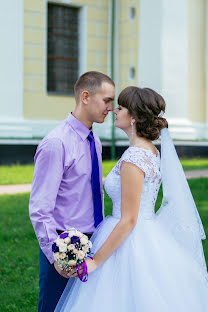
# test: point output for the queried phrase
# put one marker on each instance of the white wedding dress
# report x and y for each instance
(151, 271)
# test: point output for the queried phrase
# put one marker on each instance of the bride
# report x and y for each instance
(144, 261)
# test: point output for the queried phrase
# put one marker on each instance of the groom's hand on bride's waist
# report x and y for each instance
(61, 272)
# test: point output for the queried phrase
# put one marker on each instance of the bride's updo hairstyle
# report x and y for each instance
(145, 106)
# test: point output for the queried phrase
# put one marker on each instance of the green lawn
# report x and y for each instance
(22, 174)
(195, 163)
(16, 174)
(19, 256)
(19, 247)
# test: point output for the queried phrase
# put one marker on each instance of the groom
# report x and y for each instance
(67, 184)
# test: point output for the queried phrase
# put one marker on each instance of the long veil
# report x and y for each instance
(178, 210)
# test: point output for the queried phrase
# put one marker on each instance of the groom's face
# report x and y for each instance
(101, 103)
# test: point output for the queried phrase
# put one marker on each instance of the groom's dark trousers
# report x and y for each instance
(51, 285)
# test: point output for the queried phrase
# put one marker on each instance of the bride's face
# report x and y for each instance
(122, 118)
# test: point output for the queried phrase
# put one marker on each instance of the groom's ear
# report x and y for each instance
(84, 96)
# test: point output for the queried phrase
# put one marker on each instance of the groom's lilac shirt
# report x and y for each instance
(61, 195)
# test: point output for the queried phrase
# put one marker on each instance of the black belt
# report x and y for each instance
(88, 234)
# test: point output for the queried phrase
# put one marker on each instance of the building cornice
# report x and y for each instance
(32, 131)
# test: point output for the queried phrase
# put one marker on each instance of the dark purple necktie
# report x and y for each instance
(97, 202)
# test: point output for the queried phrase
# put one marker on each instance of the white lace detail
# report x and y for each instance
(142, 158)
(149, 163)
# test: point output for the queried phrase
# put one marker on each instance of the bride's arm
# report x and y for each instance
(131, 187)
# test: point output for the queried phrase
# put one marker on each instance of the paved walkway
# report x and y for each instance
(23, 188)
(14, 189)
(203, 173)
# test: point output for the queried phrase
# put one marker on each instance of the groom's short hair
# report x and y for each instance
(90, 81)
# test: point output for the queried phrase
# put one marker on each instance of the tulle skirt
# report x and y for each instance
(149, 272)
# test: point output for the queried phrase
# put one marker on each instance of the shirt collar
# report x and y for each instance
(78, 126)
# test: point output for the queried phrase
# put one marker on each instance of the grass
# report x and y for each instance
(23, 174)
(16, 174)
(107, 166)
(195, 163)
(19, 256)
(19, 247)
(188, 164)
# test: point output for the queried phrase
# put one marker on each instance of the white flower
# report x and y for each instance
(67, 240)
(72, 233)
(71, 247)
(81, 254)
(84, 240)
(56, 256)
(62, 255)
(58, 241)
(72, 262)
(75, 251)
(85, 248)
(79, 234)
(62, 247)
(90, 244)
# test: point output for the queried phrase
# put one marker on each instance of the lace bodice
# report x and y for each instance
(149, 163)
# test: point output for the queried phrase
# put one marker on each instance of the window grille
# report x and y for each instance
(62, 48)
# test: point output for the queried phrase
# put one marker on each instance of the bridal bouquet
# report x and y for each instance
(70, 250)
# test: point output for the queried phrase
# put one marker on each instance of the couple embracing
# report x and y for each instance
(143, 261)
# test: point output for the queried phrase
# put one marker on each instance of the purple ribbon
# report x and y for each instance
(84, 275)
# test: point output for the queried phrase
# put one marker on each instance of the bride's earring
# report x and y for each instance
(132, 129)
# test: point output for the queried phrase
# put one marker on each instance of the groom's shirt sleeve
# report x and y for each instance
(49, 167)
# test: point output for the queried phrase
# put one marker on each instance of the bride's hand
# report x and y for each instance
(91, 267)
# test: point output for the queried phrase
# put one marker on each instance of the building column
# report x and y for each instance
(12, 56)
(12, 67)
(174, 57)
(150, 44)
(196, 11)
(163, 52)
(206, 66)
